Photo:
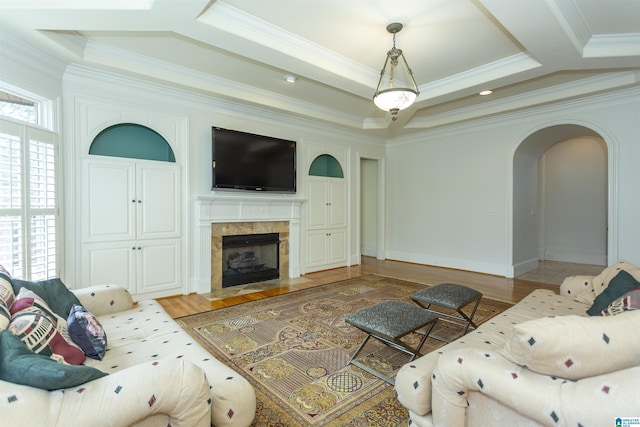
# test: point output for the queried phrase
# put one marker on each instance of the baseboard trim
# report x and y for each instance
(525, 267)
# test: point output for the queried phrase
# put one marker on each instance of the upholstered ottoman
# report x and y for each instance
(454, 297)
(389, 321)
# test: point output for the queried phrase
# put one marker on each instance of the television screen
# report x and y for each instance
(244, 161)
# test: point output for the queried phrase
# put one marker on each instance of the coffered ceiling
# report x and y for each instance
(529, 52)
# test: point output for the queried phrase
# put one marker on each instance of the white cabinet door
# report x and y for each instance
(337, 207)
(318, 202)
(157, 193)
(158, 266)
(316, 249)
(337, 247)
(108, 211)
(131, 231)
(327, 203)
(110, 263)
(142, 267)
(326, 249)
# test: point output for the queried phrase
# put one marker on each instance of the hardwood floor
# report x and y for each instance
(494, 287)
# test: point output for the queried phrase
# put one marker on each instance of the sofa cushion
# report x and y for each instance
(628, 301)
(19, 365)
(43, 331)
(622, 283)
(53, 291)
(576, 347)
(87, 332)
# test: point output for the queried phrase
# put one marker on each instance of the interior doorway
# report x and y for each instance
(560, 198)
(371, 204)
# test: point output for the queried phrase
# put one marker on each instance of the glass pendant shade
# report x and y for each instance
(395, 98)
(388, 97)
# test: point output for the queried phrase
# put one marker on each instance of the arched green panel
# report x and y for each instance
(132, 141)
(326, 165)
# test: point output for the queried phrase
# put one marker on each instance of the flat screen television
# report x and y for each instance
(245, 161)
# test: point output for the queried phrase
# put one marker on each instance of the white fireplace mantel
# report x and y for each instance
(243, 208)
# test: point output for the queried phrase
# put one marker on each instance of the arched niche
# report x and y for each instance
(534, 220)
(133, 141)
(326, 165)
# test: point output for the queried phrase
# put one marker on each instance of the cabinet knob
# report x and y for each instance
(133, 248)
(139, 248)
(139, 201)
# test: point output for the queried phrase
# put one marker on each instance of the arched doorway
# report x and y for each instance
(560, 200)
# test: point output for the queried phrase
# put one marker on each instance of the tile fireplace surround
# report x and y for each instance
(231, 215)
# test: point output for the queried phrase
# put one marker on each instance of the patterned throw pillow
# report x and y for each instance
(6, 288)
(628, 301)
(33, 322)
(601, 281)
(5, 316)
(20, 365)
(53, 291)
(87, 332)
(622, 283)
(576, 347)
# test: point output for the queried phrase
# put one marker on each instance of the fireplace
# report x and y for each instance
(239, 232)
(249, 258)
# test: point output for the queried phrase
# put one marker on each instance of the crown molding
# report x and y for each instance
(15, 50)
(600, 101)
(609, 81)
(89, 78)
(495, 70)
(362, 80)
(609, 45)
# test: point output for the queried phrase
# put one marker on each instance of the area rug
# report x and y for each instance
(295, 348)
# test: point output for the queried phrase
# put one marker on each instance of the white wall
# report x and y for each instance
(440, 185)
(445, 183)
(201, 113)
(574, 184)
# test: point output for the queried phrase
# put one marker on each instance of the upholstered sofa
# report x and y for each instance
(544, 361)
(152, 372)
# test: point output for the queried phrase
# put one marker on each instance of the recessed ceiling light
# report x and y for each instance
(486, 92)
(290, 79)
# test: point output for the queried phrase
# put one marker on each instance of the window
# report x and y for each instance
(28, 201)
(18, 108)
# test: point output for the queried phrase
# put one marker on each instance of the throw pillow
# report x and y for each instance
(576, 347)
(19, 365)
(7, 293)
(42, 330)
(618, 286)
(5, 316)
(628, 301)
(86, 331)
(601, 281)
(53, 291)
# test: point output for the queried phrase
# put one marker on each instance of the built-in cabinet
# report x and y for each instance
(130, 203)
(326, 236)
(131, 224)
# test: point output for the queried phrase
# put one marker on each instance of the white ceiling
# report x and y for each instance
(529, 52)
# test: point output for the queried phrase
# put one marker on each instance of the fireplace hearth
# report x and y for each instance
(250, 258)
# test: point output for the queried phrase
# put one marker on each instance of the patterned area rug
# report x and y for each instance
(295, 349)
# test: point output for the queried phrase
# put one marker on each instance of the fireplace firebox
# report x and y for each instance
(250, 258)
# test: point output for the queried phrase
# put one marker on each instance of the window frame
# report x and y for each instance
(27, 135)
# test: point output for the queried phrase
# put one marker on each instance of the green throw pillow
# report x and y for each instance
(52, 291)
(19, 365)
(618, 286)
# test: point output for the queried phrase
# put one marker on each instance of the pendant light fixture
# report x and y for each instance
(389, 97)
